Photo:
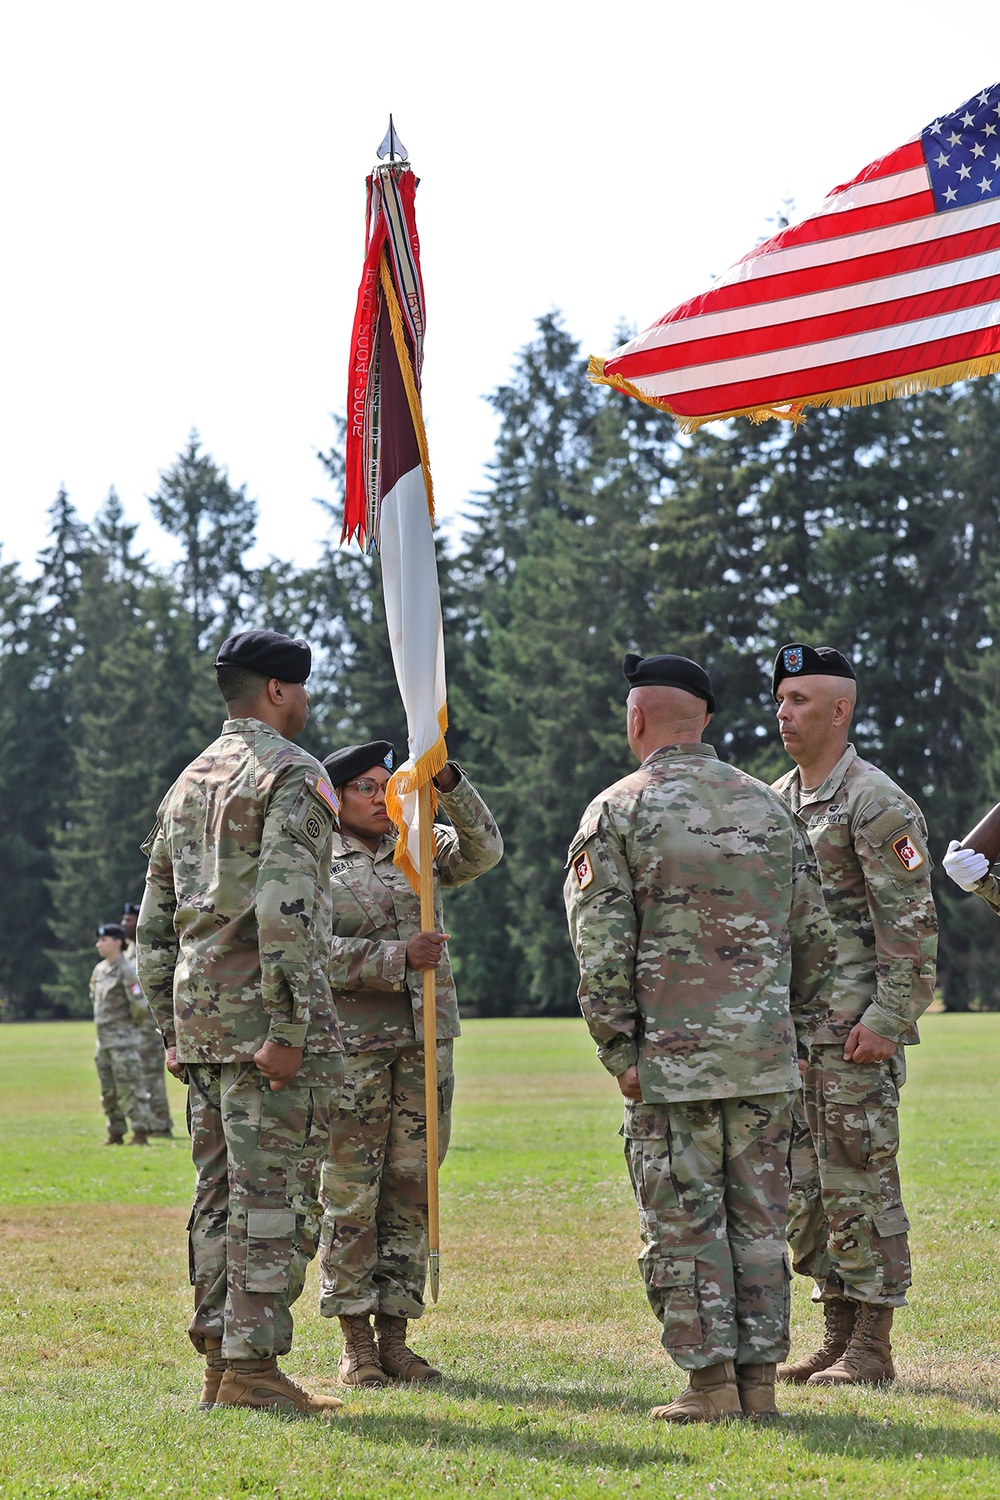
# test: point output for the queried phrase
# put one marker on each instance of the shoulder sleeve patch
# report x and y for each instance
(313, 815)
(907, 852)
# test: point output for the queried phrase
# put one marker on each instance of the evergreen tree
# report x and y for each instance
(215, 524)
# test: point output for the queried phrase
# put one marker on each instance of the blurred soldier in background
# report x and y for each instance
(233, 942)
(373, 1249)
(119, 1012)
(847, 1225)
(696, 912)
(152, 1059)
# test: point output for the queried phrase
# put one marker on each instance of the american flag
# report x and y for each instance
(892, 286)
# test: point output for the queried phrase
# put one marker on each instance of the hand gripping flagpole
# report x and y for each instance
(430, 1042)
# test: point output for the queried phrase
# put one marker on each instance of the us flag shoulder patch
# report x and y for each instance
(907, 852)
(584, 870)
(329, 796)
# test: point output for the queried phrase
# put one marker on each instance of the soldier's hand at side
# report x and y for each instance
(629, 1084)
(278, 1064)
(174, 1068)
(865, 1046)
(424, 949)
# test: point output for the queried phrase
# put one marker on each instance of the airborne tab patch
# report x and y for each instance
(584, 870)
(907, 853)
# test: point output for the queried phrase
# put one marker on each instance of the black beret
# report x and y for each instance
(268, 652)
(797, 660)
(355, 760)
(669, 671)
(111, 930)
(130, 908)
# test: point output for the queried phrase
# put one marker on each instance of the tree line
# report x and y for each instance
(599, 531)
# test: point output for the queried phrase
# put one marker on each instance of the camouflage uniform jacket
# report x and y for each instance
(871, 842)
(147, 1024)
(234, 928)
(989, 889)
(375, 912)
(119, 1008)
(696, 912)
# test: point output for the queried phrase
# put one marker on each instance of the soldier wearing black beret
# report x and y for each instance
(847, 1227)
(373, 1245)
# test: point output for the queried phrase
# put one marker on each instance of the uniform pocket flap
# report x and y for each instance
(879, 823)
(270, 1223)
(666, 1274)
(646, 1122)
(891, 1221)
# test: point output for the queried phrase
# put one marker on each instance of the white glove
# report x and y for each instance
(964, 866)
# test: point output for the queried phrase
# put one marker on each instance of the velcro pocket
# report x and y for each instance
(676, 1283)
(891, 1221)
(270, 1236)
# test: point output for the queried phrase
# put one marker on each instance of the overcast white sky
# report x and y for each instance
(183, 196)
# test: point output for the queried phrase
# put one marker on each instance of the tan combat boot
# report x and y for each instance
(867, 1360)
(838, 1321)
(711, 1395)
(139, 1138)
(114, 1140)
(215, 1368)
(756, 1388)
(359, 1362)
(260, 1385)
(393, 1355)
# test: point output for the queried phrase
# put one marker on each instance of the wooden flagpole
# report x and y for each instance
(430, 1040)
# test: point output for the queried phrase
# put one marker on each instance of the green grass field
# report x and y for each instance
(551, 1352)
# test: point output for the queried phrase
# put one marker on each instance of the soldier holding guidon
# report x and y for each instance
(119, 1011)
(373, 1255)
(696, 912)
(847, 1225)
(233, 942)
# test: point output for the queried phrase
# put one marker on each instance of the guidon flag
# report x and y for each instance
(891, 287)
(389, 504)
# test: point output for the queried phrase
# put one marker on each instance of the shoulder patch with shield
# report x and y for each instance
(907, 853)
(583, 869)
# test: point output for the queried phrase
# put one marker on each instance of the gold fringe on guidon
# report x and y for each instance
(794, 411)
(409, 379)
(401, 783)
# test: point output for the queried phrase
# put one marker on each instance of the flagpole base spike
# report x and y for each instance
(434, 1273)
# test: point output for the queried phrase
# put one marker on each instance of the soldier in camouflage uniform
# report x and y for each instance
(847, 1224)
(233, 940)
(373, 1255)
(696, 913)
(152, 1059)
(118, 1013)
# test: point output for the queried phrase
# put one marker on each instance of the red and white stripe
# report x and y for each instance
(875, 286)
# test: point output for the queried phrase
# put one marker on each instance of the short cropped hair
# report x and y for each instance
(237, 685)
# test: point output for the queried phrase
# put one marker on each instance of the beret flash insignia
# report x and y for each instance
(907, 853)
(387, 762)
(584, 870)
(792, 658)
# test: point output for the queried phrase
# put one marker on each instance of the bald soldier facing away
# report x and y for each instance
(696, 913)
(233, 941)
(847, 1225)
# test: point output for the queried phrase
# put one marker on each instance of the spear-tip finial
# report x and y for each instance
(392, 146)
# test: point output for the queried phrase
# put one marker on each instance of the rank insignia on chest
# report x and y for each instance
(907, 853)
(584, 870)
(792, 658)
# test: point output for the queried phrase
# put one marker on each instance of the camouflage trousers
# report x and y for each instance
(152, 1062)
(846, 1224)
(255, 1221)
(373, 1245)
(123, 1092)
(711, 1182)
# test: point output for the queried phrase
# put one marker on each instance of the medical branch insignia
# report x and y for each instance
(792, 658)
(584, 870)
(907, 853)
